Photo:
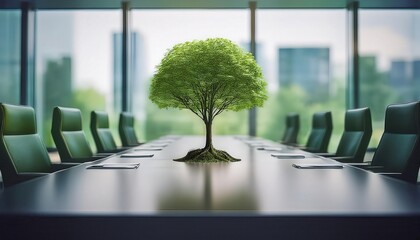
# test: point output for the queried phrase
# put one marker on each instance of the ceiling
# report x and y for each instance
(115, 4)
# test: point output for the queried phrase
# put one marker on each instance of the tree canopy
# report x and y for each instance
(208, 77)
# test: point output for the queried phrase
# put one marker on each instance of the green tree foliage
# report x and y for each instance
(208, 77)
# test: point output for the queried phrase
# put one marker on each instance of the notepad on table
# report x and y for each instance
(157, 145)
(136, 155)
(147, 149)
(114, 166)
(287, 155)
(162, 142)
(254, 142)
(318, 165)
(271, 149)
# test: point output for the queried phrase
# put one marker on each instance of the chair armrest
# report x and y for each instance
(363, 164)
(124, 148)
(21, 177)
(85, 159)
(99, 155)
(61, 166)
(311, 150)
(395, 175)
(289, 144)
(113, 151)
(344, 159)
(327, 155)
(370, 167)
(374, 168)
(133, 145)
(390, 174)
(95, 157)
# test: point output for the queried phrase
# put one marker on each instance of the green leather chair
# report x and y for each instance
(126, 130)
(23, 155)
(355, 138)
(99, 126)
(69, 137)
(398, 151)
(320, 135)
(292, 129)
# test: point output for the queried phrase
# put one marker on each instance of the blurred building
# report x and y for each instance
(308, 68)
(400, 73)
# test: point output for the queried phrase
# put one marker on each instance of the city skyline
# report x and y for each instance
(93, 64)
(85, 37)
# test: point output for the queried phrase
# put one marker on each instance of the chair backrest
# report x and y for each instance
(126, 130)
(399, 148)
(356, 135)
(21, 148)
(99, 125)
(321, 132)
(68, 134)
(292, 129)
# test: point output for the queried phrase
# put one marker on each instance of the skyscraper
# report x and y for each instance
(405, 76)
(400, 74)
(54, 67)
(57, 85)
(306, 67)
(57, 76)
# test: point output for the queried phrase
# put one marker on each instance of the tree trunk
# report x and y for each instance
(209, 143)
(208, 153)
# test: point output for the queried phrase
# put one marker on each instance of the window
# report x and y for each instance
(10, 56)
(389, 63)
(156, 31)
(303, 56)
(74, 64)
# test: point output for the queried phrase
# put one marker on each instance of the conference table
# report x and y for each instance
(143, 194)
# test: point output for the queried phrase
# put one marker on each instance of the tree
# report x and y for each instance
(208, 77)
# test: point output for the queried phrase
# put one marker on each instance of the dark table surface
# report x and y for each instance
(259, 186)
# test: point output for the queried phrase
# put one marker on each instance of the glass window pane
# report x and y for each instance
(155, 32)
(303, 56)
(10, 56)
(389, 61)
(74, 64)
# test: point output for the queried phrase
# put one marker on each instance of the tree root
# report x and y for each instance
(207, 155)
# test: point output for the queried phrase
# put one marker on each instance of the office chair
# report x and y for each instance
(320, 133)
(398, 151)
(23, 155)
(126, 130)
(99, 126)
(292, 129)
(69, 137)
(355, 138)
